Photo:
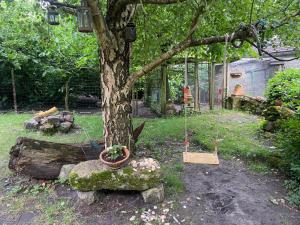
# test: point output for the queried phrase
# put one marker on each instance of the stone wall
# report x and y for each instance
(254, 105)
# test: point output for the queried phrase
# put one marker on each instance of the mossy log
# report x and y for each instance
(43, 159)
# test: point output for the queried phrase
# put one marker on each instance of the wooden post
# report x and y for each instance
(196, 84)
(67, 94)
(225, 84)
(14, 89)
(163, 89)
(211, 80)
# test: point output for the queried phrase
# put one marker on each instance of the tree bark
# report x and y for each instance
(67, 87)
(114, 62)
(116, 103)
(43, 159)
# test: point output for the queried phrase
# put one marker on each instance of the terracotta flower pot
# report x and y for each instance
(238, 90)
(117, 164)
(278, 102)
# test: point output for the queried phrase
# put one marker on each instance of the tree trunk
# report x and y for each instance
(14, 89)
(116, 102)
(67, 87)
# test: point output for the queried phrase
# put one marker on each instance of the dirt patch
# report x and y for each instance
(230, 194)
(227, 194)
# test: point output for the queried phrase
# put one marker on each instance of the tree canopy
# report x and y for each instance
(38, 51)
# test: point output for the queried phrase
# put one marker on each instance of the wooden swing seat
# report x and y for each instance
(201, 158)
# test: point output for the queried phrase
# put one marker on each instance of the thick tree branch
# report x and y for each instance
(149, 67)
(100, 25)
(286, 20)
(271, 55)
(241, 35)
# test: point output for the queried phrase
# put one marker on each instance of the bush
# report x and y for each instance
(288, 139)
(285, 86)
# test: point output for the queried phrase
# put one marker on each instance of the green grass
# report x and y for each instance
(237, 131)
(258, 167)
(11, 127)
(172, 179)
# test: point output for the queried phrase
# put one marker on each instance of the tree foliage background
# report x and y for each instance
(44, 56)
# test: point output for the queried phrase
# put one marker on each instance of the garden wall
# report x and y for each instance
(254, 105)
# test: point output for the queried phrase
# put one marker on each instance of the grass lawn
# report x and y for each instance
(236, 130)
(163, 137)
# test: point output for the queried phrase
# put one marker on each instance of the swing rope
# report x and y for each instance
(186, 141)
(186, 89)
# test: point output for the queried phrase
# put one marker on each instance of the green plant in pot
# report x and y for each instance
(115, 156)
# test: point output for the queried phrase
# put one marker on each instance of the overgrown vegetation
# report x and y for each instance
(203, 130)
(43, 57)
(288, 140)
(285, 87)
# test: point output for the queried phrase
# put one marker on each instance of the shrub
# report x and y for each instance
(285, 86)
(288, 139)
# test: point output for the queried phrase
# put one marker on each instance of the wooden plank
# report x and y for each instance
(200, 158)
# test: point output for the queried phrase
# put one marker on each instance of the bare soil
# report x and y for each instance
(227, 194)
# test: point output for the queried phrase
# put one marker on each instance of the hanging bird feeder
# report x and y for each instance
(130, 32)
(52, 16)
(84, 18)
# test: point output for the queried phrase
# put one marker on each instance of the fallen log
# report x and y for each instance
(43, 159)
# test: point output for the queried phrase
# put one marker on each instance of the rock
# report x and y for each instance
(170, 108)
(154, 195)
(66, 116)
(38, 119)
(53, 120)
(272, 113)
(286, 113)
(43, 120)
(31, 124)
(69, 118)
(47, 128)
(269, 126)
(94, 175)
(65, 127)
(89, 197)
(65, 171)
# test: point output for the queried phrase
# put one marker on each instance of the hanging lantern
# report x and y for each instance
(52, 16)
(130, 32)
(84, 18)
